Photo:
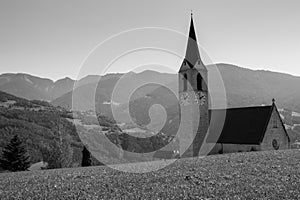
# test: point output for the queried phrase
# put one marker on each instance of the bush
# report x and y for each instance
(58, 154)
(86, 158)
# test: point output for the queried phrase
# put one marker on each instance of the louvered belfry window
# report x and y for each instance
(184, 82)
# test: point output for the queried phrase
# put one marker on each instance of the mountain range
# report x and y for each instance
(244, 87)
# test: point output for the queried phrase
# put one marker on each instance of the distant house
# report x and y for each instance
(226, 130)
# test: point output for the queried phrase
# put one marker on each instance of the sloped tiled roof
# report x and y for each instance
(245, 125)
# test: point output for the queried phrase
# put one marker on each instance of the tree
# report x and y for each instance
(14, 156)
(58, 154)
(86, 158)
(51, 155)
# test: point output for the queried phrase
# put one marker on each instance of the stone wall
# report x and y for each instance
(232, 148)
(275, 131)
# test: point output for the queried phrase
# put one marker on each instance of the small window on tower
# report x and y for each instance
(184, 82)
(199, 82)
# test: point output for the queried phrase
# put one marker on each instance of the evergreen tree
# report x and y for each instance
(14, 156)
(86, 157)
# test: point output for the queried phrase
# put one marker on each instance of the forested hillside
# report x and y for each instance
(45, 129)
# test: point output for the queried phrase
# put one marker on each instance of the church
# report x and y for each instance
(227, 130)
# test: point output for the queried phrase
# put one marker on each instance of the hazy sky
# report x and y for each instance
(52, 38)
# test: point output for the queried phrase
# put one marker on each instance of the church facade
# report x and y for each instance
(243, 129)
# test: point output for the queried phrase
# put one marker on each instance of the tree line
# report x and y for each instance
(15, 157)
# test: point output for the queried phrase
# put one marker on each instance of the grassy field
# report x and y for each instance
(255, 175)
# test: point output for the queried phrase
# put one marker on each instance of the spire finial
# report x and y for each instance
(191, 13)
(273, 101)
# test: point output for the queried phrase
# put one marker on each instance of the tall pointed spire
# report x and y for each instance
(192, 55)
(192, 33)
(192, 52)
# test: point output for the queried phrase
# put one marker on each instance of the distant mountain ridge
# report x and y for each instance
(244, 87)
(32, 87)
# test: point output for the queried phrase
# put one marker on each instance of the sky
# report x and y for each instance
(73, 38)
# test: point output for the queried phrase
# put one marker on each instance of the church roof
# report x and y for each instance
(245, 125)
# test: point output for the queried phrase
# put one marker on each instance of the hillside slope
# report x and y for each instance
(252, 175)
(246, 87)
(41, 125)
(38, 124)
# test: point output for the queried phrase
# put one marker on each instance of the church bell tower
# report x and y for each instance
(193, 93)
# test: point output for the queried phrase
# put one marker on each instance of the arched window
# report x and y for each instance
(184, 82)
(199, 82)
